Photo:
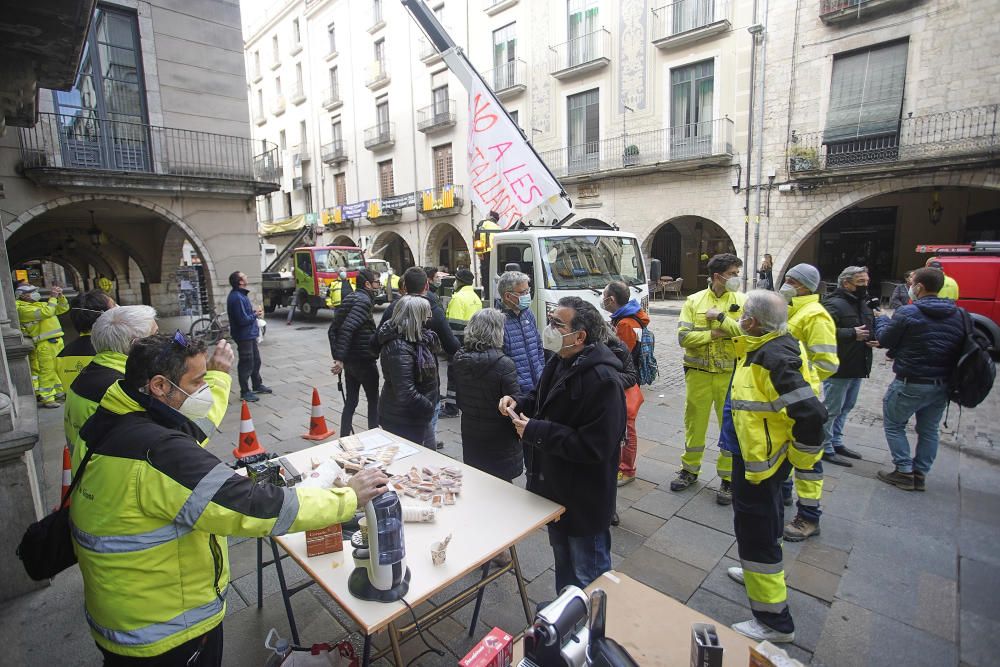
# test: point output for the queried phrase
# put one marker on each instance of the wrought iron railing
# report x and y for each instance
(382, 134)
(831, 6)
(444, 198)
(508, 75)
(87, 143)
(695, 141)
(962, 133)
(439, 114)
(334, 151)
(686, 15)
(581, 50)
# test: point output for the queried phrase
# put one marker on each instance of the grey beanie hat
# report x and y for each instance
(807, 274)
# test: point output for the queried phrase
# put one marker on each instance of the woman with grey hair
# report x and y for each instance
(483, 375)
(408, 358)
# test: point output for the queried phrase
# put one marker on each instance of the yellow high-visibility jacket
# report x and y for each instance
(809, 321)
(40, 319)
(150, 518)
(694, 330)
(776, 413)
(74, 358)
(93, 382)
(950, 289)
(463, 305)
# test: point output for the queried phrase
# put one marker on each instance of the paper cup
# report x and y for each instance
(438, 553)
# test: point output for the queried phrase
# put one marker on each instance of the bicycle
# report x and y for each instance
(209, 329)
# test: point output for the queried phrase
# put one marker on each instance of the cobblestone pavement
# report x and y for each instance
(894, 578)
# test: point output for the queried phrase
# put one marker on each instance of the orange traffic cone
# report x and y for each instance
(67, 475)
(248, 444)
(317, 423)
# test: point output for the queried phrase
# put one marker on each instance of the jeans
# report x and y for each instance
(248, 366)
(209, 643)
(839, 396)
(357, 376)
(579, 560)
(434, 420)
(903, 400)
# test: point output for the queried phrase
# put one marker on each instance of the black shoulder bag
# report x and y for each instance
(47, 546)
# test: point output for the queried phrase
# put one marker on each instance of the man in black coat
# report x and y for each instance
(573, 423)
(848, 306)
(350, 335)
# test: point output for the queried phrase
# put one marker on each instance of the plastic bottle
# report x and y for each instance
(281, 648)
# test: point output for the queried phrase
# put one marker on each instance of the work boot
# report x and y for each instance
(615, 520)
(440, 444)
(837, 460)
(919, 480)
(249, 397)
(849, 453)
(683, 480)
(724, 496)
(624, 479)
(60, 396)
(901, 480)
(800, 528)
(449, 412)
(736, 574)
(757, 631)
(263, 389)
(787, 500)
(51, 404)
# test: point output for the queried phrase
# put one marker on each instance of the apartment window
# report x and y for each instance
(277, 86)
(385, 184)
(382, 117)
(440, 97)
(504, 54)
(268, 209)
(866, 96)
(514, 117)
(282, 140)
(275, 51)
(582, 31)
(340, 187)
(302, 134)
(692, 90)
(331, 38)
(380, 53)
(583, 122)
(288, 204)
(334, 84)
(691, 14)
(260, 103)
(337, 132)
(298, 78)
(443, 166)
(256, 62)
(307, 194)
(296, 32)
(376, 11)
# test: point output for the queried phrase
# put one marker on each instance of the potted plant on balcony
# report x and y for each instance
(631, 155)
(802, 158)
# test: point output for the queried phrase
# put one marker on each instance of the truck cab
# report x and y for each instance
(976, 269)
(317, 279)
(565, 262)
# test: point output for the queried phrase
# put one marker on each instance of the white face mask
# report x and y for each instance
(912, 294)
(733, 284)
(34, 296)
(198, 404)
(552, 340)
(789, 292)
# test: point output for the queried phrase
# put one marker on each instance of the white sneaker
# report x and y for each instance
(736, 574)
(756, 630)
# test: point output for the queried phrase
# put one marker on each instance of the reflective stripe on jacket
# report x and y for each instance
(463, 305)
(776, 413)
(810, 322)
(694, 331)
(150, 518)
(40, 319)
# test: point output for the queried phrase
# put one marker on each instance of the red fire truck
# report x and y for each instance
(976, 269)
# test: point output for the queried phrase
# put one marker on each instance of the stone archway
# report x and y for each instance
(394, 249)
(343, 240)
(684, 244)
(447, 247)
(591, 223)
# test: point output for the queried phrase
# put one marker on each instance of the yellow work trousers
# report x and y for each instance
(33, 363)
(49, 384)
(705, 392)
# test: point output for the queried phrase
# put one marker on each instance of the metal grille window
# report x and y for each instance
(385, 185)
(866, 93)
(340, 185)
(443, 166)
(692, 91)
(583, 122)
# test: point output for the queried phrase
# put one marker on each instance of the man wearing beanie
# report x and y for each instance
(464, 303)
(812, 325)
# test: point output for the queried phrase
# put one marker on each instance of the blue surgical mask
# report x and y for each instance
(524, 301)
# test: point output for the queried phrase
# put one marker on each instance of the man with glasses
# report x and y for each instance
(521, 341)
(707, 325)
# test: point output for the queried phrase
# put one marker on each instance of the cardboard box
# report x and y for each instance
(766, 654)
(324, 541)
(495, 650)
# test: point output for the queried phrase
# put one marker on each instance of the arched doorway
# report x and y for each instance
(446, 247)
(343, 240)
(391, 247)
(590, 223)
(684, 245)
(140, 249)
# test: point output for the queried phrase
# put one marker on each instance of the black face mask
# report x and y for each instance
(861, 291)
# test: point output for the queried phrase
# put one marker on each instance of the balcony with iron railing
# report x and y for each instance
(278, 106)
(966, 136)
(441, 201)
(508, 79)
(298, 94)
(687, 21)
(581, 54)
(692, 146)
(380, 136)
(378, 75)
(494, 7)
(84, 153)
(436, 117)
(334, 152)
(832, 12)
(331, 98)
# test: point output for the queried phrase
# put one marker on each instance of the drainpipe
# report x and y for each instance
(419, 255)
(760, 138)
(746, 204)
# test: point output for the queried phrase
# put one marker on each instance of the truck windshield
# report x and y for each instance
(333, 258)
(591, 262)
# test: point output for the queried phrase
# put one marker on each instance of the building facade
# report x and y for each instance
(829, 131)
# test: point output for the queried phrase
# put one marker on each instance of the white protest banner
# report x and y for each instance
(505, 175)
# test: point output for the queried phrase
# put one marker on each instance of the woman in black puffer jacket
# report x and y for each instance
(483, 375)
(408, 356)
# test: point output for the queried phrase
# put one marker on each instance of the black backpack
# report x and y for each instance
(971, 381)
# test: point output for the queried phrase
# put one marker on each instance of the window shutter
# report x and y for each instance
(866, 93)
